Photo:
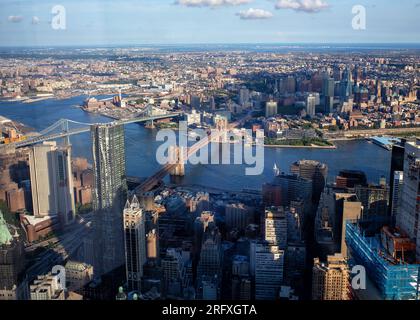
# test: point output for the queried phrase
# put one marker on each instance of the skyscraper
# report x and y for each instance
(173, 273)
(398, 182)
(291, 84)
(135, 243)
(287, 188)
(52, 181)
(374, 198)
(210, 257)
(330, 280)
(409, 210)
(238, 215)
(312, 170)
(328, 93)
(397, 164)
(334, 211)
(269, 270)
(243, 96)
(350, 179)
(347, 208)
(328, 87)
(109, 194)
(270, 109)
(345, 86)
(152, 245)
(276, 227)
(311, 105)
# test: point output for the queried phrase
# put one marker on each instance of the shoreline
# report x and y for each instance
(302, 147)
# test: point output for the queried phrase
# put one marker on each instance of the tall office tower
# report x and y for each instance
(337, 73)
(238, 216)
(291, 84)
(330, 281)
(275, 227)
(135, 243)
(271, 109)
(345, 86)
(350, 178)
(396, 194)
(195, 102)
(241, 282)
(294, 226)
(12, 263)
(328, 87)
(52, 181)
(204, 225)
(243, 96)
(240, 266)
(374, 198)
(210, 257)
(408, 214)
(269, 269)
(334, 211)
(316, 82)
(348, 208)
(109, 195)
(173, 273)
(311, 105)
(397, 164)
(286, 188)
(212, 103)
(241, 288)
(295, 264)
(152, 241)
(209, 288)
(324, 224)
(282, 86)
(328, 105)
(328, 93)
(378, 88)
(312, 170)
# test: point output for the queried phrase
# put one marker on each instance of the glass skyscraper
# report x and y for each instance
(109, 195)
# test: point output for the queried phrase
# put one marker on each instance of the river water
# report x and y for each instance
(141, 148)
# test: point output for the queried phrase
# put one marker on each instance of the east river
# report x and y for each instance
(141, 148)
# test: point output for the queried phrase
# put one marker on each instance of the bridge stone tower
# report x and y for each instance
(221, 124)
(176, 156)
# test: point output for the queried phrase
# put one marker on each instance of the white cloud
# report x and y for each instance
(15, 19)
(302, 5)
(211, 3)
(252, 13)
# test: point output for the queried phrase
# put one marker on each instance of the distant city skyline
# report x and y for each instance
(146, 22)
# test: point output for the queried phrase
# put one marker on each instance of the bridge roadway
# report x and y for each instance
(152, 181)
(75, 131)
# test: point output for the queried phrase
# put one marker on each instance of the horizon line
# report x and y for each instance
(213, 44)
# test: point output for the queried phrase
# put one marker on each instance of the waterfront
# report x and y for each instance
(141, 146)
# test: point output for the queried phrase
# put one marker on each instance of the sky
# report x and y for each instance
(138, 22)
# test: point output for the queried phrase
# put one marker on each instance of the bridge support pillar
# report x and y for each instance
(150, 124)
(222, 126)
(65, 128)
(176, 154)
